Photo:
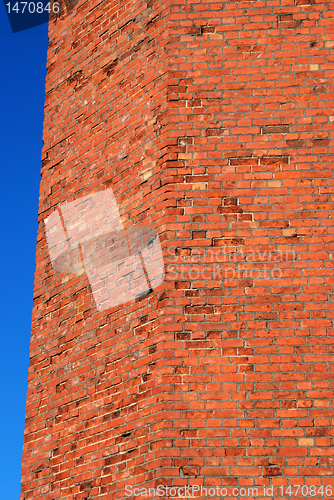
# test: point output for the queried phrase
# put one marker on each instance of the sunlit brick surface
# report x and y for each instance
(212, 124)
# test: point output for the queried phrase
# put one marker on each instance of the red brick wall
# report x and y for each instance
(212, 122)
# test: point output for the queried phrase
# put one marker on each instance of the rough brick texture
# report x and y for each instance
(213, 122)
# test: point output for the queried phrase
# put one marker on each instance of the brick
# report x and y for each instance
(214, 132)
(306, 442)
(275, 129)
(215, 471)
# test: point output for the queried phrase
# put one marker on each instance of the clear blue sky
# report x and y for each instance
(23, 70)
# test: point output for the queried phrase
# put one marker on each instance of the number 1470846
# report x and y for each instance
(32, 7)
(306, 491)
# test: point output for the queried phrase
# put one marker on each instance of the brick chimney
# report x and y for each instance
(182, 329)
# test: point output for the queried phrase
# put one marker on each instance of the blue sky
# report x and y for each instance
(22, 82)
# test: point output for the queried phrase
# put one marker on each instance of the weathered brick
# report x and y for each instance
(275, 129)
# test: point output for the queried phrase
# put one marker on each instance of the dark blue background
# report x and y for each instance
(21, 18)
(22, 82)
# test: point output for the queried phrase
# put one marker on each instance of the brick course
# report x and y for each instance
(212, 121)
